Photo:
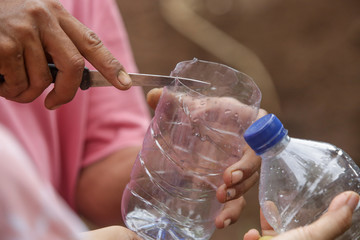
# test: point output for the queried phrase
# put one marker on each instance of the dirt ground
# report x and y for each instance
(304, 55)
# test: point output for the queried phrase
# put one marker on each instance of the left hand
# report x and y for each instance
(329, 226)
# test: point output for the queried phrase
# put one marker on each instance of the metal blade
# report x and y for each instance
(148, 80)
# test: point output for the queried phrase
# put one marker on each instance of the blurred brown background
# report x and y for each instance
(304, 55)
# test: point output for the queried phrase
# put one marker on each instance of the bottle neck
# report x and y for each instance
(277, 148)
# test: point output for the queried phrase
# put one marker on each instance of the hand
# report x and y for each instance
(331, 225)
(238, 179)
(110, 233)
(32, 31)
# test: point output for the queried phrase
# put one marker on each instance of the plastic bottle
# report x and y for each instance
(299, 178)
(194, 135)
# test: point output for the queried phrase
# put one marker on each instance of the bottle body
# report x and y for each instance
(298, 180)
(193, 137)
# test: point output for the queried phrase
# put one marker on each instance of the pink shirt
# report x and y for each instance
(94, 124)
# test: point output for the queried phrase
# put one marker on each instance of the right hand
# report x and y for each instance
(110, 233)
(331, 225)
(31, 32)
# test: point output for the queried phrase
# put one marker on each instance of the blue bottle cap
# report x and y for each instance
(265, 133)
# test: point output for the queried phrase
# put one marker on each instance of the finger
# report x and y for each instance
(266, 228)
(92, 48)
(12, 68)
(153, 97)
(252, 234)
(230, 213)
(262, 112)
(332, 224)
(69, 62)
(37, 71)
(225, 193)
(238, 190)
(242, 169)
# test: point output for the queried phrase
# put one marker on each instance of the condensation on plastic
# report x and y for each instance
(29, 207)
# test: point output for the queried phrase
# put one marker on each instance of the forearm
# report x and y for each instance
(101, 185)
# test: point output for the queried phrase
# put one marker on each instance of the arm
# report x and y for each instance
(34, 31)
(100, 187)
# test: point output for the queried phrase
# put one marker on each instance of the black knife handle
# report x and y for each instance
(85, 81)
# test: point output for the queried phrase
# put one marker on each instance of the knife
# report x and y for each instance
(93, 78)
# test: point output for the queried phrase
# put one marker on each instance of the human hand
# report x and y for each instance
(331, 225)
(110, 233)
(238, 179)
(32, 31)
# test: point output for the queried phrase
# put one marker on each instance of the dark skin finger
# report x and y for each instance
(12, 68)
(91, 47)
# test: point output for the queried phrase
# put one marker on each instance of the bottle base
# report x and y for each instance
(152, 227)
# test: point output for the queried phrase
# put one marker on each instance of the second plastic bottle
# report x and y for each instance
(299, 178)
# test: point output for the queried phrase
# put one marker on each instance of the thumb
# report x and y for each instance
(332, 224)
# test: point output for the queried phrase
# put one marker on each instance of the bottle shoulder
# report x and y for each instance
(291, 147)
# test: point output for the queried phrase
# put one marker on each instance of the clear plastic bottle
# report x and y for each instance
(194, 135)
(299, 178)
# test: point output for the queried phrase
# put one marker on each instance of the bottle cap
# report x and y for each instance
(265, 133)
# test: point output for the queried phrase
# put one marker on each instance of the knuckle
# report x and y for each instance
(92, 40)
(56, 6)
(10, 48)
(36, 9)
(25, 32)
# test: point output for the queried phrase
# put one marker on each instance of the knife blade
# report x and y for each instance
(93, 78)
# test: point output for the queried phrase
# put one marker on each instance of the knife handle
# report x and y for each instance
(85, 81)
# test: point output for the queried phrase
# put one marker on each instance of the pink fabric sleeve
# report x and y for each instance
(29, 207)
(117, 119)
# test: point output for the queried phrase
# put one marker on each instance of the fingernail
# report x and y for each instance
(352, 201)
(227, 222)
(230, 193)
(236, 176)
(124, 78)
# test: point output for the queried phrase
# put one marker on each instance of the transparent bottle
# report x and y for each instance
(194, 135)
(299, 178)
